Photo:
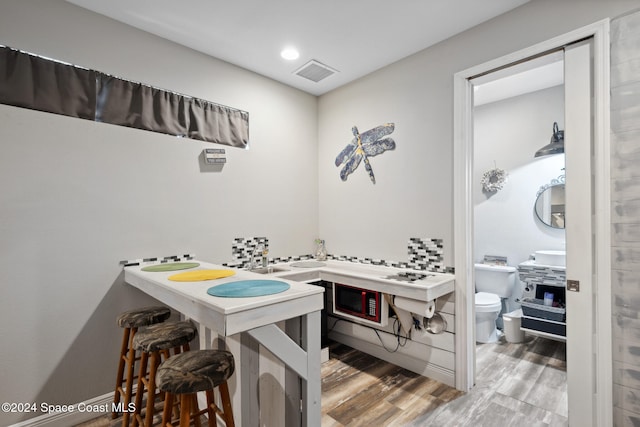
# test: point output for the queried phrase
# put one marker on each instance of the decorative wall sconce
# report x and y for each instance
(556, 146)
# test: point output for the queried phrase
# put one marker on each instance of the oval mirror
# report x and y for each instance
(549, 205)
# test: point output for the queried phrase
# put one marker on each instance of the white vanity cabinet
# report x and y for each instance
(538, 319)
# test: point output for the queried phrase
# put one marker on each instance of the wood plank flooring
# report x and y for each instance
(359, 390)
(517, 385)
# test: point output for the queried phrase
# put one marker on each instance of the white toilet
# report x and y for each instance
(493, 282)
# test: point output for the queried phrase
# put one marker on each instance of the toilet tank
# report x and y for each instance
(495, 279)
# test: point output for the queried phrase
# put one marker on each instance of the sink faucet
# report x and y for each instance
(259, 249)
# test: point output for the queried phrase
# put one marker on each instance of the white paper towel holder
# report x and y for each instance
(417, 307)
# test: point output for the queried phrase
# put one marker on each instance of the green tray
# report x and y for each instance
(174, 266)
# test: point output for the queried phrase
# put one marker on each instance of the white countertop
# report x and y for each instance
(372, 277)
(226, 316)
(367, 276)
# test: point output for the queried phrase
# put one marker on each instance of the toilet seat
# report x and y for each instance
(486, 302)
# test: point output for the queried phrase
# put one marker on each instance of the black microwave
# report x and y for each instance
(363, 305)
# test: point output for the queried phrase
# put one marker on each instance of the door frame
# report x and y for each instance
(601, 226)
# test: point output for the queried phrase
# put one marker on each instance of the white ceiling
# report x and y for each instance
(354, 37)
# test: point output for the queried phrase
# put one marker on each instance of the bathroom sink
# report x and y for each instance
(558, 258)
(268, 270)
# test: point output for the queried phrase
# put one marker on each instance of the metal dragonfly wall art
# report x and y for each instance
(363, 146)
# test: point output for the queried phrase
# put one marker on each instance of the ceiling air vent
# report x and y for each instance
(315, 71)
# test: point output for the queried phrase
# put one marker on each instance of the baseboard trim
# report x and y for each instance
(66, 419)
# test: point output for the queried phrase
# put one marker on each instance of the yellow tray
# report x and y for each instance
(201, 275)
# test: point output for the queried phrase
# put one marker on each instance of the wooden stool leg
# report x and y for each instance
(164, 355)
(124, 352)
(181, 349)
(175, 413)
(139, 392)
(226, 404)
(185, 410)
(167, 410)
(151, 389)
(195, 410)
(131, 362)
(211, 408)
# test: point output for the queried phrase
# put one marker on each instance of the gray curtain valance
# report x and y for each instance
(41, 84)
(38, 83)
(135, 105)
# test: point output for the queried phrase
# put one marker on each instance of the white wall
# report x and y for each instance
(413, 196)
(77, 197)
(507, 133)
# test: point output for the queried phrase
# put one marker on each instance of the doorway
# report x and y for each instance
(516, 111)
(589, 352)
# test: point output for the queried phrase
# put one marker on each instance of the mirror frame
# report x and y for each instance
(554, 183)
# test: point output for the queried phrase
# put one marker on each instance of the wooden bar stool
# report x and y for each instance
(130, 321)
(188, 373)
(154, 343)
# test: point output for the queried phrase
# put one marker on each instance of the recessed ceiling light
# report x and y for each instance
(290, 53)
